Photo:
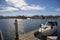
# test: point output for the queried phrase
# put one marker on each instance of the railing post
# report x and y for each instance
(16, 30)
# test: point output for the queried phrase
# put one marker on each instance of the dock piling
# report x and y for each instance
(16, 30)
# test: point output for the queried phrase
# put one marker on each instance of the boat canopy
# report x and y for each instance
(52, 23)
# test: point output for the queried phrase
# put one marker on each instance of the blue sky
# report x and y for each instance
(29, 7)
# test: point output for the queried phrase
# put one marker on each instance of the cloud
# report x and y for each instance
(58, 9)
(32, 8)
(23, 5)
(7, 8)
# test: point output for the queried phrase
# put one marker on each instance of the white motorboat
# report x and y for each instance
(48, 28)
(1, 36)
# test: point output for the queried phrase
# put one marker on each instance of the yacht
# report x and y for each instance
(1, 36)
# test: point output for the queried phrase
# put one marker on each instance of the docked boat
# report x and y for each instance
(48, 28)
(1, 36)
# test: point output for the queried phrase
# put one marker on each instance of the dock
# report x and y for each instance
(30, 36)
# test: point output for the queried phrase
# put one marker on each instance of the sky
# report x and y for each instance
(29, 7)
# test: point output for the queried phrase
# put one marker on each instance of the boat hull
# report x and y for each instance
(48, 31)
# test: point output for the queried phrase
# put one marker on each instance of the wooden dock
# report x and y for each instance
(30, 36)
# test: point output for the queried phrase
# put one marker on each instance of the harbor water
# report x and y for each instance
(24, 25)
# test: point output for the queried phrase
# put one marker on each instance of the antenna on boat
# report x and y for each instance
(16, 29)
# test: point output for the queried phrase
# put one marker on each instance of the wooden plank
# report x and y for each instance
(28, 36)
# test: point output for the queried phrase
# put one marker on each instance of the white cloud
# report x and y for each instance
(32, 8)
(11, 8)
(58, 9)
(23, 5)
(7, 8)
(16, 3)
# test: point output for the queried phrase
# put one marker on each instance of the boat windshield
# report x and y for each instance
(51, 23)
